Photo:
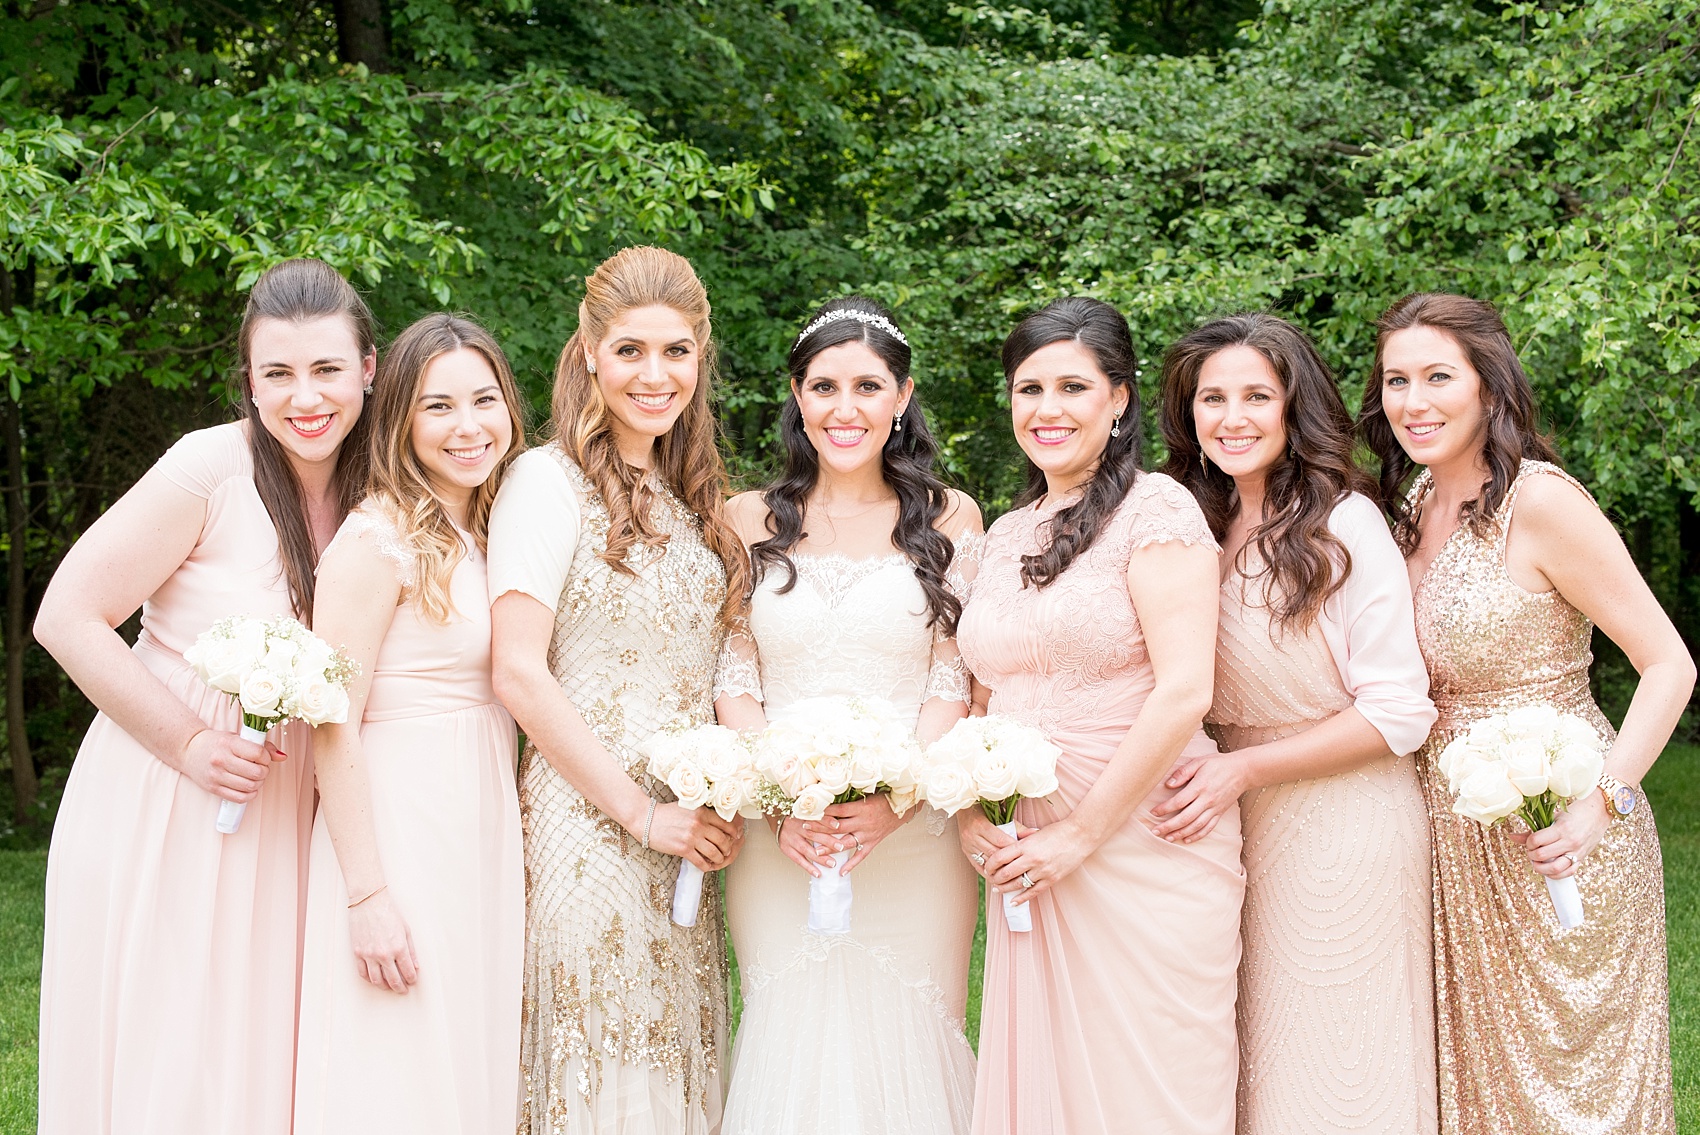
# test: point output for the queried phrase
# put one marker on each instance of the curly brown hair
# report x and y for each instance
(687, 456)
(1513, 430)
(1306, 563)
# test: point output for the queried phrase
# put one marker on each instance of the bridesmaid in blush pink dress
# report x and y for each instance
(410, 993)
(1093, 617)
(169, 973)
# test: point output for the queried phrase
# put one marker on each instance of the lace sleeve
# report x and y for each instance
(1159, 510)
(385, 539)
(739, 669)
(948, 676)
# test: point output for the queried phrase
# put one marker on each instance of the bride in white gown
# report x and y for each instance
(857, 1034)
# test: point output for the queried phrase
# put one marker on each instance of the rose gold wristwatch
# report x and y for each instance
(1620, 798)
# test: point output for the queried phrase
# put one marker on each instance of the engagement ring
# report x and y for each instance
(1025, 881)
(979, 858)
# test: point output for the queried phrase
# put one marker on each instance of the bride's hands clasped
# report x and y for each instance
(857, 827)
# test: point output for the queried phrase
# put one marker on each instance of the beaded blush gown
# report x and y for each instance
(861, 1033)
(623, 1025)
(439, 756)
(1542, 1031)
(1336, 1001)
(1116, 1013)
(169, 974)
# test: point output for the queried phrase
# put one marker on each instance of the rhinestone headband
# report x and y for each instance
(867, 317)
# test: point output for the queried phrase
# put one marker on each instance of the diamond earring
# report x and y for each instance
(590, 365)
(1116, 426)
(367, 389)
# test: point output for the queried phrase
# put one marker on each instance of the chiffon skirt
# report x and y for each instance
(855, 1034)
(1115, 1014)
(443, 1057)
(169, 969)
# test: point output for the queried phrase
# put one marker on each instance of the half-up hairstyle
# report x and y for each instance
(299, 291)
(1100, 329)
(1513, 430)
(687, 456)
(399, 483)
(906, 462)
(1304, 561)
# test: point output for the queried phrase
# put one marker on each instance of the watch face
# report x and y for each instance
(1623, 799)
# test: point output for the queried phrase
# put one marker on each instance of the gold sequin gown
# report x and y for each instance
(624, 1015)
(1541, 1031)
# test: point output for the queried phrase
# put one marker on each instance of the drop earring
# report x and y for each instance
(1116, 426)
(897, 423)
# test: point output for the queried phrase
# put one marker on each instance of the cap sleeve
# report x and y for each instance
(369, 518)
(203, 460)
(534, 528)
(1159, 510)
(1370, 628)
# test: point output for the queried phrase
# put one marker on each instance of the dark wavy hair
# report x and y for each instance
(1513, 430)
(1305, 562)
(1101, 329)
(906, 462)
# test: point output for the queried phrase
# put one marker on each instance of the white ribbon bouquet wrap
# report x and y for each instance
(277, 670)
(993, 762)
(709, 766)
(1529, 762)
(832, 750)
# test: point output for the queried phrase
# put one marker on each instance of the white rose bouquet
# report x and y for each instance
(991, 761)
(709, 766)
(1529, 763)
(833, 750)
(277, 670)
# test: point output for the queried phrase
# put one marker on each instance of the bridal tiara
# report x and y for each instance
(867, 317)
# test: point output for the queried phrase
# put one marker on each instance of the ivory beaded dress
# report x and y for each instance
(1542, 1031)
(623, 1025)
(1336, 994)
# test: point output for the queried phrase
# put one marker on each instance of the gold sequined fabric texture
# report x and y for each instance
(1542, 1031)
(1336, 994)
(624, 1014)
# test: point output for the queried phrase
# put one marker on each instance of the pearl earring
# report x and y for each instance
(897, 423)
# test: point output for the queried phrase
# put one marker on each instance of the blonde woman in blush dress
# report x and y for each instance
(1541, 1030)
(611, 568)
(1320, 698)
(1093, 617)
(855, 545)
(170, 968)
(415, 900)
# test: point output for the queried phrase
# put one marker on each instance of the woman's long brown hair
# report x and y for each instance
(687, 456)
(399, 483)
(299, 291)
(1305, 562)
(1513, 430)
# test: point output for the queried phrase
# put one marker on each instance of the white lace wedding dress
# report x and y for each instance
(857, 1034)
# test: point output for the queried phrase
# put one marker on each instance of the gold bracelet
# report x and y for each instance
(367, 895)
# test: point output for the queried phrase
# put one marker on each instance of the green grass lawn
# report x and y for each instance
(1674, 788)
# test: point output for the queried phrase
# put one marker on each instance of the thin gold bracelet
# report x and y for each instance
(367, 895)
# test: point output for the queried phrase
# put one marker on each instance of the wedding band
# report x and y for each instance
(1025, 881)
(858, 840)
(979, 858)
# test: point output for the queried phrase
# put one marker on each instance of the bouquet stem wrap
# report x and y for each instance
(229, 811)
(1018, 916)
(829, 898)
(687, 894)
(1566, 902)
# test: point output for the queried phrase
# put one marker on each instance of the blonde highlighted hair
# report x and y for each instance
(687, 456)
(398, 483)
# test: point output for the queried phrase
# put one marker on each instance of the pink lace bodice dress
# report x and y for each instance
(439, 753)
(169, 973)
(1116, 1013)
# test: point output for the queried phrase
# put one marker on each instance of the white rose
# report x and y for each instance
(1535, 721)
(315, 658)
(1574, 770)
(905, 798)
(866, 770)
(689, 785)
(280, 655)
(223, 665)
(728, 798)
(833, 774)
(949, 787)
(322, 703)
(1037, 769)
(995, 778)
(1487, 795)
(661, 752)
(791, 775)
(1526, 766)
(1573, 731)
(720, 756)
(811, 803)
(260, 693)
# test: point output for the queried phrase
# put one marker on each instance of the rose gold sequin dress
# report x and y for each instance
(623, 1024)
(1541, 1031)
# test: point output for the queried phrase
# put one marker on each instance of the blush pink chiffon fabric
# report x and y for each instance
(1116, 1013)
(169, 972)
(440, 755)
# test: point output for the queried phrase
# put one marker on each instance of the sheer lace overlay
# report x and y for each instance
(370, 517)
